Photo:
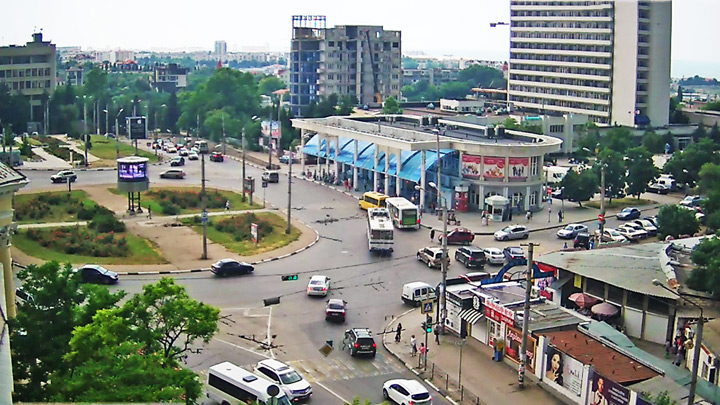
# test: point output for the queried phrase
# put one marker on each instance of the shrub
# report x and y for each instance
(81, 241)
(169, 208)
(239, 226)
(105, 223)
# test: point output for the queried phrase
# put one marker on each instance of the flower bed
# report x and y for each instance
(56, 207)
(82, 241)
(239, 226)
(175, 201)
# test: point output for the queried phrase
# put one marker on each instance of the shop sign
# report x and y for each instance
(499, 313)
(494, 167)
(471, 166)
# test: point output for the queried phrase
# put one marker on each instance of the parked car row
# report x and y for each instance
(470, 256)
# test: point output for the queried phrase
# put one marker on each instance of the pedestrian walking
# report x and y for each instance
(398, 333)
(413, 346)
(560, 215)
(227, 205)
(432, 235)
(345, 343)
(423, 353)
(549, 213)
(667, 348)
(437, 335)
(565, 245)
(149, 212)
(528, 215)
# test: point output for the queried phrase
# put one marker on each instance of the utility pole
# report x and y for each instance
(602, 201)
(287, 231)
(97, 117)
(526, 315)
(204, 208)
(197, 128)
(85, 130)
(270, 139)
(442, 314)
(223, 141)
(117, 134)
(437, 164)
(242, 183)
(107, 118)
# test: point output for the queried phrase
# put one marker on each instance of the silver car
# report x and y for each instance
(494, 256)
(571, 230)
(512, 232)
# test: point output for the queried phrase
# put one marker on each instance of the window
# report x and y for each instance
(534, 165)
(230, 389)
(557, 128)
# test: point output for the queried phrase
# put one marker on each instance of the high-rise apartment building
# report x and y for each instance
(607, 59)
(30, 70)
(360, 60)
(220, 49)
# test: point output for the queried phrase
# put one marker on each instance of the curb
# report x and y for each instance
(83, 169)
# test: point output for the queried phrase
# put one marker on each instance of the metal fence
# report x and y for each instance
(450, 386)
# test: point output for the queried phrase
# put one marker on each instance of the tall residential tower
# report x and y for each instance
(360, 60)
(609, 59)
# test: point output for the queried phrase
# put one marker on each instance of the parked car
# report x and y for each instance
(171, 149)
(416, 292)
(318, 285)
(193, 156)
(458, 236)
(177, 161)
(646, 225)
(64, 176)
(629, 213)
(512, 232)
(611, 235)
(173, 174)
(692, 201)
(22, 297)
(582, 240)
(494, 255)
(699, 215)
(658, 188)
(335, 310)
(571, 230)
(471, 256)
(230, 267)
(432, 256)
(183, 152)
(653, 220)
(630, 232)
(92, 273)
(217, 157)
(289, 380)
(406, 392)
(513, 253)
(360, 341)
(286, 159)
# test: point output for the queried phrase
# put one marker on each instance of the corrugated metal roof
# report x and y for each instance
(607, 361)
(631, 267)
(550, 316)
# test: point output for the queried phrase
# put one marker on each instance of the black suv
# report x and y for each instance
(471, 256)
(360, 341)
(582, 240)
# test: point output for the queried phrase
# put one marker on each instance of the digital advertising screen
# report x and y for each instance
(132, 171)
(137, 128)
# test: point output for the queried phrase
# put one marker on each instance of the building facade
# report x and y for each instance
(359, 60)
(170, 77)
(30, 70)
(607, 59)
(220, 50)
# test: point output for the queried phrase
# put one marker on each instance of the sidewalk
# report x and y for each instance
(490, 381)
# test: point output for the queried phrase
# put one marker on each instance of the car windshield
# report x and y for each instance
(507, 229)
(420, 396)
(493, 251)
(335, 306)
(315, 282)
(569, 227)
(290, 378)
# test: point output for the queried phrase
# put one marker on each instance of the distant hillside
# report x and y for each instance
(698, 81)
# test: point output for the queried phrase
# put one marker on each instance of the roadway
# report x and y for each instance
(370, 284)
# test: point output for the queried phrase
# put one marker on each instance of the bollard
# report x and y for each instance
(462, 392)
(447, 381)
(432, 371)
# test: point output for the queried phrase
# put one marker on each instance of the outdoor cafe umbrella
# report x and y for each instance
(604, 309)
(583, 300)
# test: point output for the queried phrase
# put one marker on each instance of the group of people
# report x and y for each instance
(678, 348)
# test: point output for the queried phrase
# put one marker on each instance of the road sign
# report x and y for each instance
(326, 349)
(204, 217)
(601, 217)
(427, 307)
(264, 184)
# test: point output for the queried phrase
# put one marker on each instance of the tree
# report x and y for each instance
(699, 133)
(676, 116)
(268, 84)
(715, 134)
(482, 76)
(712, 106)
(14, 108)
(653, 142)
(618, 139)
(579, 187)
(40, 333)
(347, 104)
(454, 90)
(706, 274)
(589, 138)
(675, 220)
(615, 172)
(172, 113)
(214, 124)
(709, 185)
(662, 398)
(641, 170)
(391, 106)
(685, 165)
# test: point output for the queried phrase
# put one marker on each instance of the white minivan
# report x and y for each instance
(416, 292)
(228, 383)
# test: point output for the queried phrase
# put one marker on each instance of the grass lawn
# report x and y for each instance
(56, 212)
(105, 148)
(142, 251)
(621, 203)
(236, 203)
(275, 240)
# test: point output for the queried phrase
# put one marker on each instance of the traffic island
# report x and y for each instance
(188, 200)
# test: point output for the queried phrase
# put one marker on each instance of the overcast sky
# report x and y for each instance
(434, 27)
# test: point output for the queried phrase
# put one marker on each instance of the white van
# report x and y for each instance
(669, 182)
(271, 176)
(416, 292)
(228, 383)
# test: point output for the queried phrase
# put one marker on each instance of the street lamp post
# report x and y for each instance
(698, 340)
(107, 118)
(85, 129)
(603, 166)
(117, 134)
(526, 316)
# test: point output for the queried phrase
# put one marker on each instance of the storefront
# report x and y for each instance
(498, 319)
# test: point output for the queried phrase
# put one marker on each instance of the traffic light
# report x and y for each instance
(290, 277)
(428, 327)
(428, 324)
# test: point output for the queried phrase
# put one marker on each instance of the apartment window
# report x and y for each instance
(556, 128)
(2, 73)
(534, 166)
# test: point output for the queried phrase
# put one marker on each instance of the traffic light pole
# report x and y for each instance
(204, 209)
(526, 317)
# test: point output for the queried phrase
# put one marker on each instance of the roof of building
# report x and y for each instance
(711, 335)
(546, 315)
(631, 267)
(607, 361)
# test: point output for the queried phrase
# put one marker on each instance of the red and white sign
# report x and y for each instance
(494, 167)
(254, 232)
(499, 313)
(601, 217)
(518, 168)
(471, 166)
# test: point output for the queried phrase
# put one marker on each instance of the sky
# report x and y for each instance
(460, 28)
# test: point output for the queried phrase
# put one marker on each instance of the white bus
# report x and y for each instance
(380, 230)
(228, 383)
(403, 213)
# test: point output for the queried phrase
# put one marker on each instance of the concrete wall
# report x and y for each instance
(659, 74)
(624, 63)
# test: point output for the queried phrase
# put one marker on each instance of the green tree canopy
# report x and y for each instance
(482, 76)
(391, 106)
(618, 139)
(14, 109)
(709, 185)
(268, 84)
(579, 187)
(653, 142)
(615, 172)
(706, 274)
(685, 165)
(641, 170)
(675, 220)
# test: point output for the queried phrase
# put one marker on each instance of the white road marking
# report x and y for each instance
(344, 401)
(243, 348)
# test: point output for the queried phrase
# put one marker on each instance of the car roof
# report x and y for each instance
(416, 284)
(493, 249)
(275, 365)
(318, 278)
(510, 248)
(336, 301)
(412, 386)
(362, 332)
(472, 248)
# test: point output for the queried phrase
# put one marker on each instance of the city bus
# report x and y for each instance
(372, 199)
(202, 146)
(403, 213)
(380, 230)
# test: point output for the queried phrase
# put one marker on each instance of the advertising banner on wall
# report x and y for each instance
(513, 344)
(270, 127)
(494, 167)
(471, 166)
(604, 391)
(563, 370)
(518, 168)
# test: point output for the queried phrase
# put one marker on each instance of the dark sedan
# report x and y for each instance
(91, 273)
(231, 267)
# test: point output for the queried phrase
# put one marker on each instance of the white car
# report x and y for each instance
(632, 231)
(494, 256)
(406, 392)
(512, 232)
(193, 156)
(648, 226)
(194, 149)
(318, 285)
(172, 149)
(183, 152)
(610, 235)
(571, 230)
(294, 385)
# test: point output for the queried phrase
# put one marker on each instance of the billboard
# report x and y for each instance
(563, 370)
(518, 168)
(137, 128)
(513, 342)
(271, 127)
(471, 166)
(494, 167)
(136, 171)
(604, 391)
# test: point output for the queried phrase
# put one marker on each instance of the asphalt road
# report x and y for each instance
(370, 284)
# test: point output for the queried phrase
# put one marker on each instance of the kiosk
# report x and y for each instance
(133, 179)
